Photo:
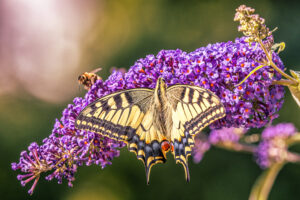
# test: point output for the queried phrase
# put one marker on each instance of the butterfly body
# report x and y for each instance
(153, 121)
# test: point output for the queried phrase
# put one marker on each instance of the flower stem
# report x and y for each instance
(269, 57)
(295, 139)
(283, 82)
(293, 157)
(239, 147)
(264, 183)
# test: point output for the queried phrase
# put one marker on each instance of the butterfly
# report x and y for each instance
(153, 121)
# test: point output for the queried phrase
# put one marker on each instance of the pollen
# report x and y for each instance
(142, 71)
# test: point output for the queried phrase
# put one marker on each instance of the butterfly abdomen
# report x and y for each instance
(161, 109)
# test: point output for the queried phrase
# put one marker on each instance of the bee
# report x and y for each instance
(87, 79)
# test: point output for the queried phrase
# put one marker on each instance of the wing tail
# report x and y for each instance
(149, 154)
(182, 149)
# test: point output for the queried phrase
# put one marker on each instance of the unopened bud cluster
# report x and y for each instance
(252, 25)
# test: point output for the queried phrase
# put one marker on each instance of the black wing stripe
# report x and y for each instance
(118, 100)
(183, 93)
(106, 128)
(191, 95)
(128, 98)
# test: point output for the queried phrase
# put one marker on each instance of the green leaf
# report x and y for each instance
(295, 74)
(295, 89)
(264, 183)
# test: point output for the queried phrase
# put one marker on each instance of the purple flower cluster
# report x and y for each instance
(273, 148)
(202, 145)
(226, 135)
(66, 149)
(218, 67)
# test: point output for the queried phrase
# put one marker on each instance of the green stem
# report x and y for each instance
(293, 157)
(283, 82)
(269, 57)
(264, 183)
(239, 147)
(295, 139)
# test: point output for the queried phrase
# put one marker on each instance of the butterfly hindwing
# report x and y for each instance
(193, 108)
(126, 116)
(147, 144)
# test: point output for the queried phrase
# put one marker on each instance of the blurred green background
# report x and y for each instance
(45, 46)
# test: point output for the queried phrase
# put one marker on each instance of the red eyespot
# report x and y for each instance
(165, 145)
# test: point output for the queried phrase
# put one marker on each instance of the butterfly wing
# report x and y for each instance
(126, 116)
(193, 108)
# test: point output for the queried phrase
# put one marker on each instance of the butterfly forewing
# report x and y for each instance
(193, 108)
